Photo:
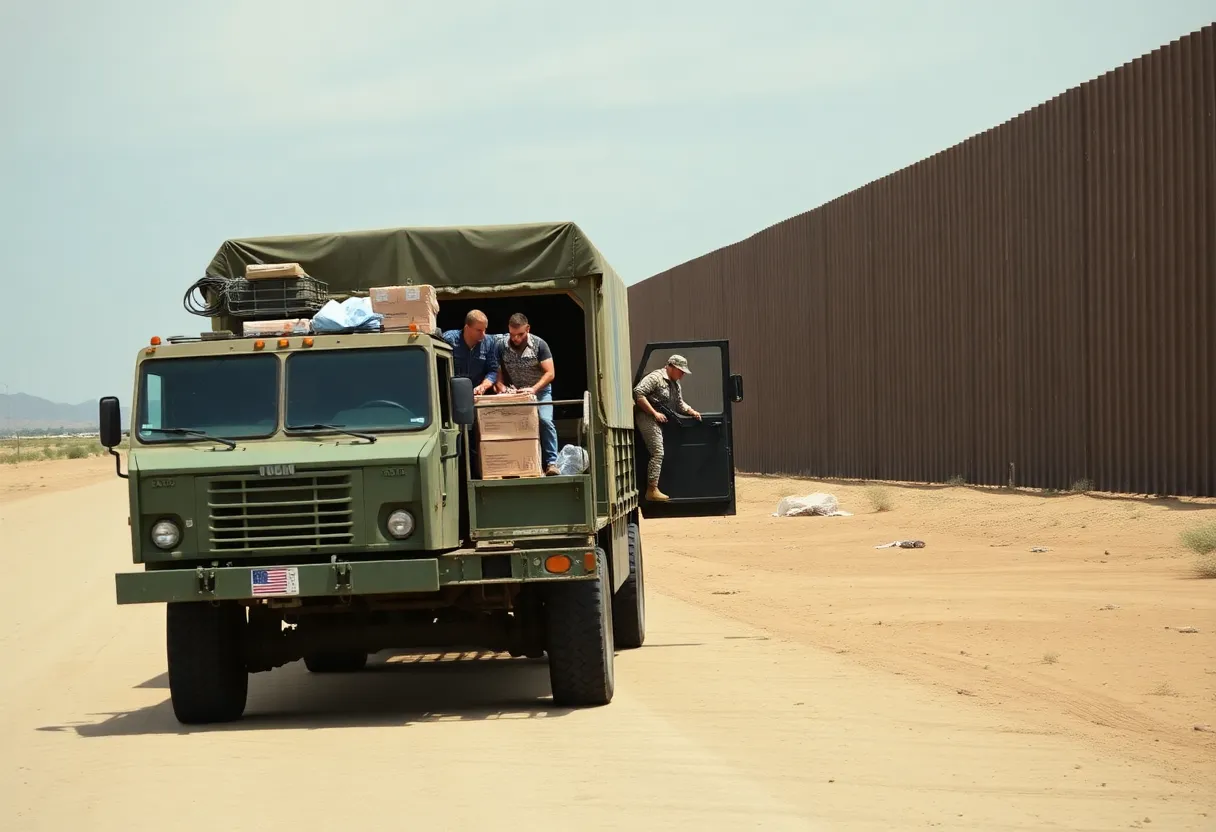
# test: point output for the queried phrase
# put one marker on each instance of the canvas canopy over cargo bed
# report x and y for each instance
(455, 260)
(462, 261)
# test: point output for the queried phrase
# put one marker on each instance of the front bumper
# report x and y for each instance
(343, 579)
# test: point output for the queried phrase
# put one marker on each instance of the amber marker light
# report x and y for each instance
(257, 345)
(284, 343)
(558, 564)
(308, 342)
(155, 341)
(589, 561)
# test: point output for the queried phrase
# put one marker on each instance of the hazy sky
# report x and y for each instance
(137, 137)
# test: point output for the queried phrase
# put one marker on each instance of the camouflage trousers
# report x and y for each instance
(652, 435)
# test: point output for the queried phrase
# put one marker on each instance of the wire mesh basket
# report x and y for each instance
(271, 298)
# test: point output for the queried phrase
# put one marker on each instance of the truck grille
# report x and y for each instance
(255, 514)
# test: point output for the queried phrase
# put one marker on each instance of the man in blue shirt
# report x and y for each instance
(475, 355)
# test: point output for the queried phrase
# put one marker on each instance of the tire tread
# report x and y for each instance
(628, 605)
(208, 680)
(576, 636)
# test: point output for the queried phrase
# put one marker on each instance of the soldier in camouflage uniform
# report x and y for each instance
(657, 392)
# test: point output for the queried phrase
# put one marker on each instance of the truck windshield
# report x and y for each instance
(235, 397)
(374, 389)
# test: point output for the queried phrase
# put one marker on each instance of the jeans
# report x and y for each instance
(548, 430)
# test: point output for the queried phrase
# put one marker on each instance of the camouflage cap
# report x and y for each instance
(680, 363)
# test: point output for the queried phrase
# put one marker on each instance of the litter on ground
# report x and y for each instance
(812, 505)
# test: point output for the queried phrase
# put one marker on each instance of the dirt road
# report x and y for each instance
(732, 716)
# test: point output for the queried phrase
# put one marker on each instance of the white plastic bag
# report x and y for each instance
(813, 505)
(353, 313)
(572, 460)
(359, 314)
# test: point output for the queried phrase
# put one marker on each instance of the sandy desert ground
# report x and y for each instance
(794, 677)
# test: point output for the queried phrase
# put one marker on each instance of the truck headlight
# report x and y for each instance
(166, 534)
(400, 524)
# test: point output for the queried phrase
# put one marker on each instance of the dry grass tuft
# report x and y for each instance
(1205, 565)
(880, 497)
(1201, 539)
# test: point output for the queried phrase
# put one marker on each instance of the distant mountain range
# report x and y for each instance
(20, 412)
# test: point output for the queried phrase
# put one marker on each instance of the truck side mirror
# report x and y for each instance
(462, 401)
(736, 388)
(110, 418)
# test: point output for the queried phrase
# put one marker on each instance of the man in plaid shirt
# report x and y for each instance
(527, 365)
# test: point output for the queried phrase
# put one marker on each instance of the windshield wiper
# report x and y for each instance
(190, 432)
(339, 428)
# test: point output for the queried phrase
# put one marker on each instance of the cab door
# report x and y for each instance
(698, 472)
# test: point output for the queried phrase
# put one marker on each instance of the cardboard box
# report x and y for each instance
(401, 323)
(263, 271)
(507, 458)
(418, 301)
(292, 326)
(499, 423)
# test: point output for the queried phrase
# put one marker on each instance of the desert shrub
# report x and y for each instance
(880, 497)
(1201, 539)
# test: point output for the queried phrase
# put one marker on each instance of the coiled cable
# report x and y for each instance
(196, 299)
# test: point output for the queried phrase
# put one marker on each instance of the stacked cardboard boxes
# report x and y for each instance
(402, 306)
(510, 438)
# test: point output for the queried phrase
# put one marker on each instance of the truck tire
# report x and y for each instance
(350, 661)
(579, 639)
(208, 680)
(629, 603)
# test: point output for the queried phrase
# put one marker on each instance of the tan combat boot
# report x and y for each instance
(654, 495)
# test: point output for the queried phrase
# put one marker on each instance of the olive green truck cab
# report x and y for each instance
(315, 496)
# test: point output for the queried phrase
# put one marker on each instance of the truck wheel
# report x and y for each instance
(344, 662)
(629, 603)
(208, 681)
(579, 639)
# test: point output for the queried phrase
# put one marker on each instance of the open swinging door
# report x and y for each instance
(698, 472)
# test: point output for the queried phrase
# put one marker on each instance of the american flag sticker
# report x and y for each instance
(284, 581)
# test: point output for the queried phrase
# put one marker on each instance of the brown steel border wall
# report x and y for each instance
(1038, 301)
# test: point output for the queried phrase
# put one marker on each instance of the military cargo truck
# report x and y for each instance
(310, 497)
